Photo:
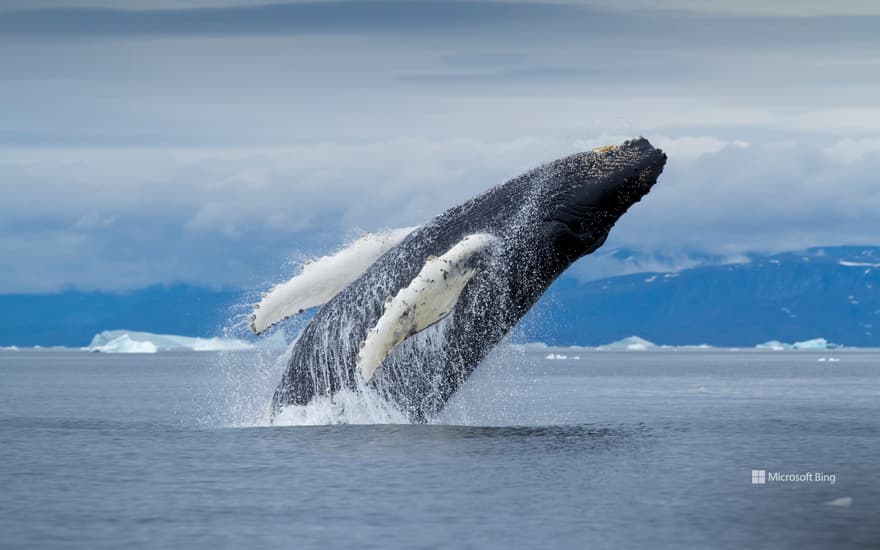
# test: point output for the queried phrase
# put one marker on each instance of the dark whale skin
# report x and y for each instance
(544, 219)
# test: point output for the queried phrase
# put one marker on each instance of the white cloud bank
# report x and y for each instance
(122, 218)
(156, 146)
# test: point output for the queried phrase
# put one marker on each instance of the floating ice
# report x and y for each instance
(127, 341)
(773, 345)
(631, 343)
(814, 344)
(124, 344)
(344, 407)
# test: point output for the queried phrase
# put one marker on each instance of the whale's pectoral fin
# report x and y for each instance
(430, 297)
(321, 280)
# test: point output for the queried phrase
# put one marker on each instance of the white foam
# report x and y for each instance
(240, 396)
(344, 407)
(324, 278)
(843, 502)
(127, 341)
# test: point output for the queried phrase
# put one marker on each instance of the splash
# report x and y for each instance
(416, 362)
(363, 406)
(425, 370)
(241, 388)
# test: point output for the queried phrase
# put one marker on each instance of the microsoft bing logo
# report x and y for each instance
(759, 477)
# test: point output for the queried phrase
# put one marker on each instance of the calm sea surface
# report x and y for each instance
(606, 450)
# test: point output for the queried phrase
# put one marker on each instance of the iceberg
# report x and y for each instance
(124, 344)
(631, 343)
(128, 341)
(773, 345)
(814, 344)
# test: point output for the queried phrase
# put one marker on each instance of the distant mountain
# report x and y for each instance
(830, 292)
(614, 262)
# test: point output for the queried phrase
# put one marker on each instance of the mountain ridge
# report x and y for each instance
(829, 292)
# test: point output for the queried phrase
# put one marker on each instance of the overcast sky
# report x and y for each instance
(211, 142)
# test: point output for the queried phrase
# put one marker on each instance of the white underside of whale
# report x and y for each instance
(324, 278)
(430, 297)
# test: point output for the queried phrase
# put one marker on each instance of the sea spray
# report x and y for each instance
(250, 379)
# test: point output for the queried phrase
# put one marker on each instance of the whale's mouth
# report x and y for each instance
(631, 170)
(600, 186)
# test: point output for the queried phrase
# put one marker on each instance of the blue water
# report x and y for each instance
(612, 450)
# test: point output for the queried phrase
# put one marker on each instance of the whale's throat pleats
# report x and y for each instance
(321, 280)
(429, 298)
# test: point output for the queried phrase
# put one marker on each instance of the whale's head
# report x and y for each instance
(588, 192)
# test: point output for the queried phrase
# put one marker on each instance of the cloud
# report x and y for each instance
(223, 216)
(208, 141)
(796, 8)
(308, 72)
(680, 148)
(765, 197)
(780, 8)
(852, 150)
(233, 216)
(94, 220)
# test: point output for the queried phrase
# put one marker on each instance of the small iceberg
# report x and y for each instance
(818, 344)
(773, 345)
(814, 344)
(124, 344)
(127, 341)
(632, 343)
(555, 356)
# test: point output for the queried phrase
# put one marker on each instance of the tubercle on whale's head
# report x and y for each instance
(595, 188)
(628, 172)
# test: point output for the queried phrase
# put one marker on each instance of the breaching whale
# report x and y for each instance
(411, 314)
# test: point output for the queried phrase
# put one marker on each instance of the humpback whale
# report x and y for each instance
(411, 314)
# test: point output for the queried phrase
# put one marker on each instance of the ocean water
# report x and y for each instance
(610, 450)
